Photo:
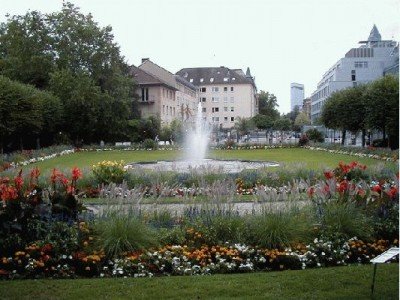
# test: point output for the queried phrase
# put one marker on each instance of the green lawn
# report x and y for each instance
(352, 282)
(312, 159)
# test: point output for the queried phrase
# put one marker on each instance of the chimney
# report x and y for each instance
(144, 59)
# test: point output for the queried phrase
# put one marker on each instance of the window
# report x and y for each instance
(167, 110)
(215, 89)
(215, 119)
(225, 119)
(211, 79)
(163, 109)
(233, 78)
(215, 109)
(225, 88)
(360, 64)
(191, 80)
(232, 100)
(203, 99)
(203, 109)
(215, 99)
(232, 119)
(145, 94)
(353, 75)
(203, 89)
(232, 108)
(225, 99)
(163, 92)
(231, 88)
(226, 79)
(225, 108)
(201, 79)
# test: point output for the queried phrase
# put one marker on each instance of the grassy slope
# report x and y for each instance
(312, 159)
(351, 282)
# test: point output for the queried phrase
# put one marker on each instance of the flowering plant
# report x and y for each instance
(109, 171)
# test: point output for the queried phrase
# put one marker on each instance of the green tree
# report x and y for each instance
(20, 111)
(302, 119)
(26, 49)
(243, 126)
(282, 124)
(382, 110)
(81, 101)
(267, 105)
(36, 48)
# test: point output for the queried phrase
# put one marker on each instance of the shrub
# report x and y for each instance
(120, 233)
(382, 143)
(220, 229)
(278, 229)
(315, 135)
(345, 220)
(150, 144)
(109, 172)
(303, 140)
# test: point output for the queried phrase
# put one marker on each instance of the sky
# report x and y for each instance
(281, 41)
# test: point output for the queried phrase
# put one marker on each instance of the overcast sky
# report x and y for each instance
(282, 41)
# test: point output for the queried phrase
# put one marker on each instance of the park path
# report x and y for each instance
(241, 208)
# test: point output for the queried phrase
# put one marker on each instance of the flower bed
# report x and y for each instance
(37, 261)
(43, 235)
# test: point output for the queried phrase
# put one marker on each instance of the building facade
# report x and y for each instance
(296, 95)
(163, 94)
(225, 94)
(372, 60)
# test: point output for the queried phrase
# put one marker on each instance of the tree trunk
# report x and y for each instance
(38, 144)
(21, 144)
(1, 146)
(343, 136)
(363, 132)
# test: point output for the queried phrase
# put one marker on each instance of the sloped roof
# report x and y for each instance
(144, 78)
(374, 35)
(214, 75)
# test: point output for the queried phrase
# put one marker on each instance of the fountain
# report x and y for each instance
(196, 143)
(197, 139)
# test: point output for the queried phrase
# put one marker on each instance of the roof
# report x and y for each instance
(144, 78)
(374, 35)
(215, 75)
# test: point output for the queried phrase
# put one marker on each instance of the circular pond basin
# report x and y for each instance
(203, 165)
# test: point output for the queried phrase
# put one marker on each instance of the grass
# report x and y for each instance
(352, 282)
(311, 159)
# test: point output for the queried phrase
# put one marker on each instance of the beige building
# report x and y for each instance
(163, 94)
(225, 94)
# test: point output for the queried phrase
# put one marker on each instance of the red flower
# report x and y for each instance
(18, 181)
(76, 174)
(376, 188)
(343, 186)
(47, 248)
(311, 192)
(54, 175)
(8, 192)
(70, 189)
(361, 192)
(35, 173)
(392, 192)
(329, 174)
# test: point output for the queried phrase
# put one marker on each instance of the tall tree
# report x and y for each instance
(382, 110)
(267, 105)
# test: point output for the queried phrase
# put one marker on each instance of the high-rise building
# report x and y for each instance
(372, 60)
(296, 95)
